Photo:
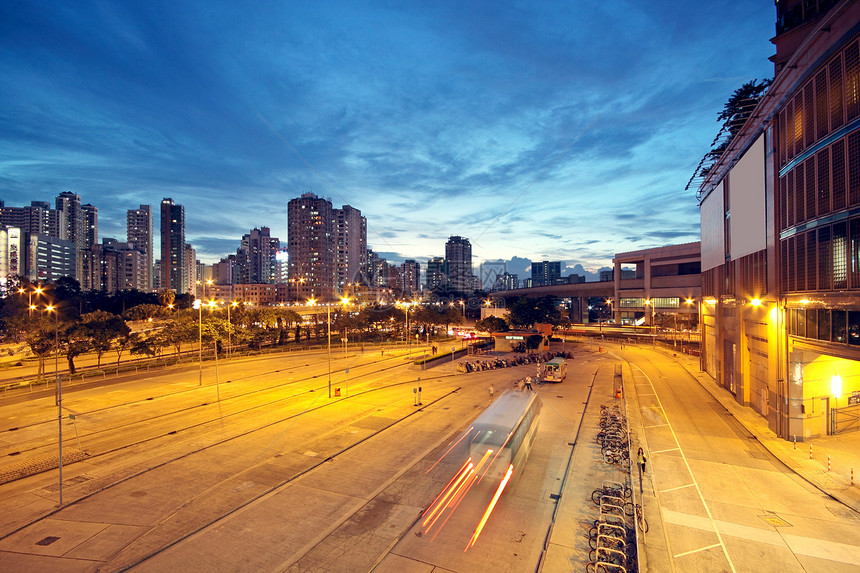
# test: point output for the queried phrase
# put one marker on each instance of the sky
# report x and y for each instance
(552, 130)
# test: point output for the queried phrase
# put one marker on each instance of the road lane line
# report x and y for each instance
(690, 471)
(674, 488)
(664, 451)
(696, 550)
(799, 545)
(655, 426)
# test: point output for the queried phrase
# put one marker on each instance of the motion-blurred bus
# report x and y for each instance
(554, 371)
(502, 436)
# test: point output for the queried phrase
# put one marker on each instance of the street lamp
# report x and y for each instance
(650, 303)
(199, 306)
(52, 308)
(230, 327)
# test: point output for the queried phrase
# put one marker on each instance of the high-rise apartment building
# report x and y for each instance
(90, 214)
(546, 273)
(458, 253)
(410, 272)
(173, 247)
(38, 218)
(191, 272)
(256, 261)
(139, 236)
(436, 276)
(310, 241)
(350, 245)
(506, 281)
(69, 204)
(113, 266)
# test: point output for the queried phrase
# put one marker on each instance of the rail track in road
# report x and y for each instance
(290, 418)
(20, 469)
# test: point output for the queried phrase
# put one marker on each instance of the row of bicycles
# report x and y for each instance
(612, 437)
(612, 537)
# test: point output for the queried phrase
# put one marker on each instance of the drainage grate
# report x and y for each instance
(775, 521)
(47, 541)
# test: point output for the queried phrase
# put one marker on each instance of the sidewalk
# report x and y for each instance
(808, 459)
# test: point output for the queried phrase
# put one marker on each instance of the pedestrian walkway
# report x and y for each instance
(827, 462)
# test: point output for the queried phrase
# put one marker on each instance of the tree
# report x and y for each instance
(145, 311)
(75, 340)
(533, 341)
(525, 312)
(492, 324)
(141, 344)
(166, 297)
(38, 332)
(101, 328)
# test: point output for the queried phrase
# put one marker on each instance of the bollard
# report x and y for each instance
(810, 451)
(852, 476)
(828, 462)
(794, 439)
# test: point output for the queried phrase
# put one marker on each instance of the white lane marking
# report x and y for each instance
(690, 471)
(655, 426)
(664, 451)
(799, 545)
(676, 488)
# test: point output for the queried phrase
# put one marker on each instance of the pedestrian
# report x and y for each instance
(640, 459)
(528, 382)
(492, 391)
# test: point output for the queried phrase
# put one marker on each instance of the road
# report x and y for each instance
(725, 503)
(275, 476)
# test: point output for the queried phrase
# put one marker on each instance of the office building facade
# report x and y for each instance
(781, 236)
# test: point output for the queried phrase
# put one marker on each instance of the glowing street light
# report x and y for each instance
(52, 308)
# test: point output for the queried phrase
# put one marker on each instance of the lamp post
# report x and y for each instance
(230, 328)
(650, 303)
(198, 304)
(51, 308)
(212, 305)
(328, 314)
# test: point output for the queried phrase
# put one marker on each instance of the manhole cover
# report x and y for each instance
(47, 541)
(775, 521)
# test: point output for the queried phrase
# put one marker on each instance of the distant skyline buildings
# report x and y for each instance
(139, 235)
(344, 252)
(310, 228)
(173, 246)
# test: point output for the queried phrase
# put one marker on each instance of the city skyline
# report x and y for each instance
(548, 133)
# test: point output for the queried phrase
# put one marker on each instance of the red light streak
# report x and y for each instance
(490, 508)
(454, 493)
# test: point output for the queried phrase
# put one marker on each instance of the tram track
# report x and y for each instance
(185, 411)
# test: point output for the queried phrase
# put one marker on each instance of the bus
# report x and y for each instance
(502, 436)
(555, 370)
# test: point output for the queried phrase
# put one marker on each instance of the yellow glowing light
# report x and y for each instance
(836, 385)
(756, 302)
(689, 301)
(344, 300)
(804, 301)
(311, 302)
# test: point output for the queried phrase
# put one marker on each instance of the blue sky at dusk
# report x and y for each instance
(541, 130)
